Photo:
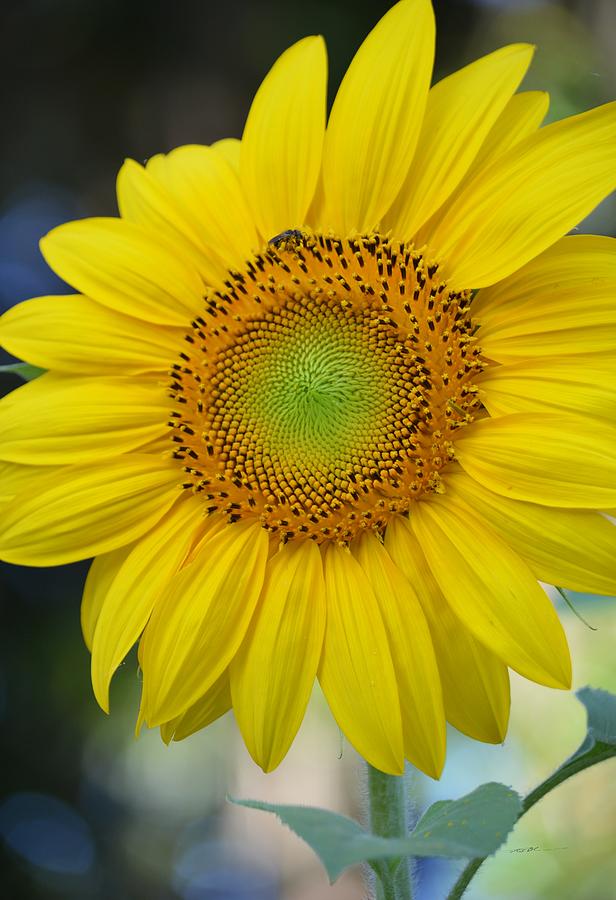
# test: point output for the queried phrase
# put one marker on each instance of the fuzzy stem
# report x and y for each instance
(388, 815)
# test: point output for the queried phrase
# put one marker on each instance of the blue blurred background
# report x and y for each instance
(85, 810)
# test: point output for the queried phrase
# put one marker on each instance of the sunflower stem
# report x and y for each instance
(389, 817)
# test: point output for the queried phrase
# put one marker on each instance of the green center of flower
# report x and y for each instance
(306, 382)
(314, 388)
(321, 391)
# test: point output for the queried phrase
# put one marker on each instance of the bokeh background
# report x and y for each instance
(86, 811)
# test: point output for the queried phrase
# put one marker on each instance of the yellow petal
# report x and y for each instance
(125, 267)
(273, 672)
(525, 200)
(283, 138)
(544, 458)
(130, 597)
(492, 591)
(475, 683)
(419, 684)
(356, 671)
(230, 149)
(201, 619)
(580, 385)
(15, 478)
(207, 191)
(157, 166)
(100, 575)
(460, 113)
(56, 420)
(521, 117)
(75, 334)
(315, 215)
(143, 199)
(214, 704)
(560, 304)
(86, 510)
(572, 548)
(376, 118)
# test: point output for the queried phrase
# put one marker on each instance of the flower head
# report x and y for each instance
(330, 401)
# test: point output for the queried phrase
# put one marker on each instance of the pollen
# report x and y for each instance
(321, 391)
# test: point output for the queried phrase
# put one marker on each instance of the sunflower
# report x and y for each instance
(330, 402)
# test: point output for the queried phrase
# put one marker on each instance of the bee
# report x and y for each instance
(288, 239)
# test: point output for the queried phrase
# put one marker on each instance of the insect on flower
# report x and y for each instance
(288, 239)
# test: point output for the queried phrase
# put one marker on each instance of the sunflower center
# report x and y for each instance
(320, 392)
(305, 381)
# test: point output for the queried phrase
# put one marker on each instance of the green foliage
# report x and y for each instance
(458, 828)
(24, 370)
(338, 841)
(600, 740)
(601, 711)
(474, 825)
(598, 745)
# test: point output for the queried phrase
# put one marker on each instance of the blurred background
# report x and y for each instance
(85, 810)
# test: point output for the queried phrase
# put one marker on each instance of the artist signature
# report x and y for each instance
(536, 849)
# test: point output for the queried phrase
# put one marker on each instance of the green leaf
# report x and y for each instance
(601, 710)
(600, 740)
(598, 745)
(24, 370)
(338, 841)
(475, 825)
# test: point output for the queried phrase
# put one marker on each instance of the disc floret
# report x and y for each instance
(321, 390)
